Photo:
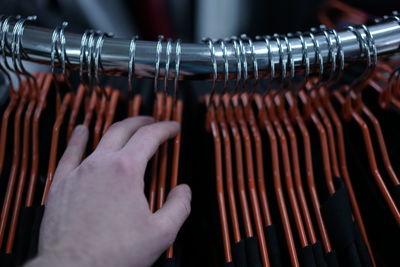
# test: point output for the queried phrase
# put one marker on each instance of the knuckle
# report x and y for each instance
(123, 165)
(142, 119)
(114, 126)
(146, 131)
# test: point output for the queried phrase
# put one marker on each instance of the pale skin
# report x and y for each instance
(97, 213)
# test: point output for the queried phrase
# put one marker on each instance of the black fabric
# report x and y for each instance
(169, 262)
(318, 255)
(23, 235)
(274, 252)
(229, 264)
(361, 247)
(6, 260)
(34, 241)
(307, 257)
(331, 259)
(396, 195)
(239, 254)
(338, 221)
(381, 227)
(252, 252)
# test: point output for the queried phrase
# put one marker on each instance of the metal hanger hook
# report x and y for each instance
(17, 49)
(239, 64)
(6, 68)
(178, 51)
(157, 62)
(282, 62)
(305, 56)
(226, 63)
(339, 54)
(331, 53)
(63, 52)
(90, 55)
(131, 65)
(213, 59)
(243, 56)
(372, 46)
(167, 65)
(97, 61)
(83, 56)
(364, 50)
(255, 65)
(318, 56)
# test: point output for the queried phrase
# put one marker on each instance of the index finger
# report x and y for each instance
(145, 142)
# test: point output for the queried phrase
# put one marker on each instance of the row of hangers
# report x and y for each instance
(239, 158)
(91, 104)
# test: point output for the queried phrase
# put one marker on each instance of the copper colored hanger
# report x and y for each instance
(295, 114)
(14, 96)
(98, 125)
(244, 206)
(305, 98)
(75, 109)
(111, 108)
(157, 114)
(282, 140)
(54, 143)
(230, 189)
(298, 119)
(381, 142)
(24, 165)
(256, 136)
(166, 116)
(24, 91)
(213, 125)
(82, 90)
(35, 139)
(349, 112)
(134, 100)
(90, 102)
(27, 93)
(324, 95)
(228, 172)
(234, 129)
(248, 154)
(371, 155)
(323, 139)
(67, 103)
(376, 125)
(280, 102)
(158, 110)
(164, 157)
(24, 160)
(176, 116)
(220, 184)
(265, 120)
(103, 95)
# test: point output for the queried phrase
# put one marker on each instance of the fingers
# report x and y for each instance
(73, 153)
(146, 140)
(120, 132)
(175, 210)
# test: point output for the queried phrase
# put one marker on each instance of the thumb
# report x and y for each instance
(175, 210)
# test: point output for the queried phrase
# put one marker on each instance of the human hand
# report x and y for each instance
(97, 213)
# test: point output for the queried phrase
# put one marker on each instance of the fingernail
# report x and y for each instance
(148, 118)
(79, 130)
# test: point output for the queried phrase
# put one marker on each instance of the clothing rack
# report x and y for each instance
(195, 63)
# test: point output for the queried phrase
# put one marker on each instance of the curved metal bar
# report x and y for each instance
(195, 58)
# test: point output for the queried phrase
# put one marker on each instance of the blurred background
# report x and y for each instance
(193, 19)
